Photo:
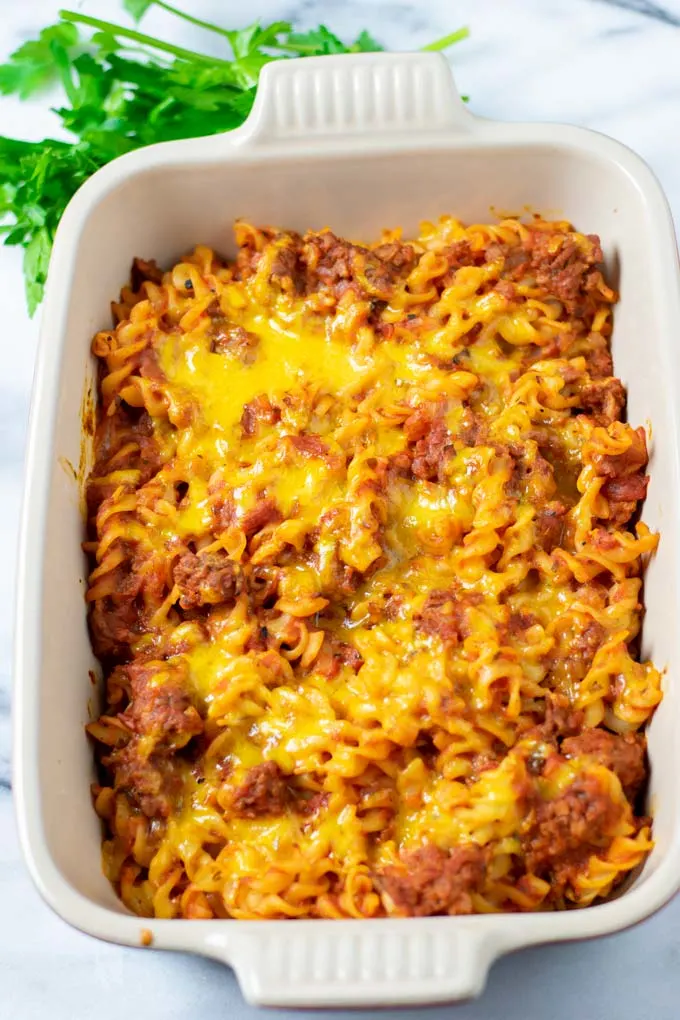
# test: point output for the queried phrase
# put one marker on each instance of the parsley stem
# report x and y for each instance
(438, 44)
(145, 40)
(191, 19)
(446, 41)
(63, 65)
(16, 147)
(298, 48)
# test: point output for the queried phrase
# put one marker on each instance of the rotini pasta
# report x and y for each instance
(366, 578)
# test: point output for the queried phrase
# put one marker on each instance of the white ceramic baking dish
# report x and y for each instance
(354, 142)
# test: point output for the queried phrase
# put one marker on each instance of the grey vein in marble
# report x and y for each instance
(646, 8)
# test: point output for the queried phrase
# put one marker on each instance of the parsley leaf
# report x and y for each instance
(35, 195)
(251, 39)
(365, 43)
(32, 67)
(124, 89)
(36, 264)
(318, 42)
(137, 8)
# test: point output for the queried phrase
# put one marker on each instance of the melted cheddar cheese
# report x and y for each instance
(365, 583)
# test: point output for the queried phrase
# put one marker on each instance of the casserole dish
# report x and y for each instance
(356, 142)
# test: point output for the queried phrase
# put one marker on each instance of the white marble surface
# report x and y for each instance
(613, 65)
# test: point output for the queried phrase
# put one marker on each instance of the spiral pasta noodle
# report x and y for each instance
(366, 577)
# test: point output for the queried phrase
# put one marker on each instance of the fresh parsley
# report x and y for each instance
(123, 89)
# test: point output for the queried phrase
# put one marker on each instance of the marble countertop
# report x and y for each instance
(613, 65)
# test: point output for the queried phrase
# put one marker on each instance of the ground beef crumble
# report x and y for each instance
(433, 881)
(263, 792)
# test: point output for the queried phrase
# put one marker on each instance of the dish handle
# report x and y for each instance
(355, 95)
(350, 963)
